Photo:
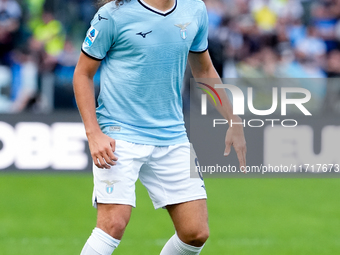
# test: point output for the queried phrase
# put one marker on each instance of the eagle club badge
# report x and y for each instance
(183, 28)
(109, 185)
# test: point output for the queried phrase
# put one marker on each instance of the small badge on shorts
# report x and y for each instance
(109, 185)
(115, 128)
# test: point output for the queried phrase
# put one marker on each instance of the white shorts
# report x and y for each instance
(163, 170)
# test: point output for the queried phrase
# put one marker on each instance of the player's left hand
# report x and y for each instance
(235, 137)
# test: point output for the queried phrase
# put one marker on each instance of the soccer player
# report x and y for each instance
(137, 130)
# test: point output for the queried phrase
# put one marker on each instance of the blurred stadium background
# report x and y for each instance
(45, 168)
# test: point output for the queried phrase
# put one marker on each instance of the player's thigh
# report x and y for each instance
(113, 218)
(189, 215)
(190, 219)
(117, 184)
(167, 176)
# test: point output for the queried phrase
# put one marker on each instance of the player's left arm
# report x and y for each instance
(202, 67)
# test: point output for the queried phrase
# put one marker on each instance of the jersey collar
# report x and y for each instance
(150, 8)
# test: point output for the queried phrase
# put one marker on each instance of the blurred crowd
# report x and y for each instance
(40, 43)
(39, 48)
(280, 38)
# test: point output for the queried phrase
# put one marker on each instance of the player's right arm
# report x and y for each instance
(101, 145)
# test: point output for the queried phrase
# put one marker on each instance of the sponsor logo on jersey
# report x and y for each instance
(109, 185)
(144, 34)
(183, 31)
(101, 17)
(91, 36)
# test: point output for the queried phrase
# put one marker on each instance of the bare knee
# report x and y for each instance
(191, 221)
(114, 226)
(113, 219)
(195, 237)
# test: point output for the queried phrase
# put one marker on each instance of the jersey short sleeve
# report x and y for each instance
(200, 43)
(100, 37)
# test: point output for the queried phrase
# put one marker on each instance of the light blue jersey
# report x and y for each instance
(144, 54)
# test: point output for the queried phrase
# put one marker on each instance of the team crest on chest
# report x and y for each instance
(183, 28)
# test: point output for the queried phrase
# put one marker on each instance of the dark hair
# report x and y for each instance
(117, 2)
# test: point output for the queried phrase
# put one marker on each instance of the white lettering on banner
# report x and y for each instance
(69, 146)
(7, 138)
(36, 145)
(33, 150)
(296, 146)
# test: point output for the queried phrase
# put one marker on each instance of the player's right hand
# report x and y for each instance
(102, 148)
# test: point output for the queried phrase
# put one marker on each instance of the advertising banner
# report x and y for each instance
(43, 142)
